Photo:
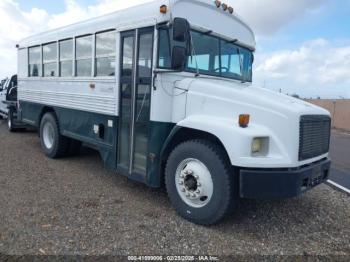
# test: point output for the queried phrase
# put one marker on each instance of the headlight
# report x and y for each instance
(260, 146)
(257, 145)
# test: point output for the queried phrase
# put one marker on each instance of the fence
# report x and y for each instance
(340, 111)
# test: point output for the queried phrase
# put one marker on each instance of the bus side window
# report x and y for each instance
(164, 53)
(50, 60)
(83, 56)
(66, 58)
(105, 53)
(35, 61)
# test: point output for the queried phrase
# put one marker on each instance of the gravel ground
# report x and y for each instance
(75, 206)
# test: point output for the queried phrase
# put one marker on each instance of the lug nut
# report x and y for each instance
(189, 172)
(193, 195)
(196, 177)
(199, 184)
(181, 183)
(198, 192)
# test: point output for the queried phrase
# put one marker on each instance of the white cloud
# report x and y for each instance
(316, 65)
(17, 24)
(268, 16)
(72, 14)
(317, 68)
(75, 12)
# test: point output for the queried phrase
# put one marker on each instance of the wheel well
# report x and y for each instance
(184, 134)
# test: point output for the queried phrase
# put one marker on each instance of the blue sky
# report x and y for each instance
(331, 21)
(308, 54)
(53, 6)
(303, 46)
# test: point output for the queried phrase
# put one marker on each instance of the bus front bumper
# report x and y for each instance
(282, 183)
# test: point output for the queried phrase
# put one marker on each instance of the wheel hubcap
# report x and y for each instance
(48, 135)
(190, 183)
(194, 183)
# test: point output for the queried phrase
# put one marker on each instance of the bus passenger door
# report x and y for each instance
(135, 98)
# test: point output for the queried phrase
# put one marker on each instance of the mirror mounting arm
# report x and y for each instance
(161, 71)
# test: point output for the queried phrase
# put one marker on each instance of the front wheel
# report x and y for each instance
(200, 183)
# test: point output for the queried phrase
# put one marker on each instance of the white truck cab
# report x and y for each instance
(164, 92)
(5, 85)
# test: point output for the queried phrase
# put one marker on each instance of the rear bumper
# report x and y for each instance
(282, 183)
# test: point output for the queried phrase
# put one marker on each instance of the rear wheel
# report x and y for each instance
(52, 142)
(200, 182)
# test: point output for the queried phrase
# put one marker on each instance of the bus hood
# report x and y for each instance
(214, 105)
(227, 98)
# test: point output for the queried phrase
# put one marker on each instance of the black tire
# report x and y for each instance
(60, 143)
(10, 123)
(225, 183)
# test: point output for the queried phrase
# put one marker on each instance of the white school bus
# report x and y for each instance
(164, 92)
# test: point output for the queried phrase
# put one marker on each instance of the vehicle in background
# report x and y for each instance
(164, 92)
(2, 82)
(11, 102)
(8, 104)
(5, 84)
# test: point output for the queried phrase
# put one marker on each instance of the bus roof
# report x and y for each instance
(200, 13)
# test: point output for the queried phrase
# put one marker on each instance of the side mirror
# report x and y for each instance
(178, 58)
(180, 43)
(181, 29)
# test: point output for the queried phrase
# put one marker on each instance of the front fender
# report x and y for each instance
(238, 141)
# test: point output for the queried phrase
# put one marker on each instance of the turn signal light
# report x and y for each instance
(163, 9)
(244, 120)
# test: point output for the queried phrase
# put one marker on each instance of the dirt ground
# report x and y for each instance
(74, 206)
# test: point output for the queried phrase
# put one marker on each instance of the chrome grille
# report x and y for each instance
(314, 136)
